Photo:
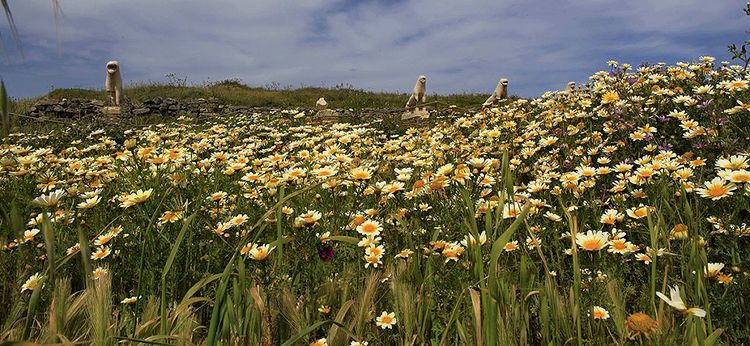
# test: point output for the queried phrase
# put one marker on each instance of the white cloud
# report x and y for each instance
(370, 44)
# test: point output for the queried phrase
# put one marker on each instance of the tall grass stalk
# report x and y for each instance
(221, 292)
(453, 317)
(494, 287)
(49, 244)
(144, 245)
(653, 230)
(4, 115)
(33, 306)
(279, 235)
(100, 310)
(83, 243)
(58, 309)
(167, 266)
(576, 301)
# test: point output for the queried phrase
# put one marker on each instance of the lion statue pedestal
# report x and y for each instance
(112, 110)
(417, 113)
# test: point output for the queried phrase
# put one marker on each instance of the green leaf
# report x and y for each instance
(497, 246)
(221, 292)
(456, 305)
(33, 304)
(176, 247)
(345, 239)
(711, 339)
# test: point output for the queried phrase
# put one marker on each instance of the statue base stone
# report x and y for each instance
(329, 113)
(111, 111)
(422, 114)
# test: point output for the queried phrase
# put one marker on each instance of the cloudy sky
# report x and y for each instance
(462, 46)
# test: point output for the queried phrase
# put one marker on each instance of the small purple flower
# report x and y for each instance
(662, 118)
(705, 104)
(698, 145)
(632, 80)
(325, 252)
(665, 147)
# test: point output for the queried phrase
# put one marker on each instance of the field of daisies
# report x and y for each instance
(613, 214)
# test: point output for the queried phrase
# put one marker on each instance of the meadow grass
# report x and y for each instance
(231, 92)
(616, 215)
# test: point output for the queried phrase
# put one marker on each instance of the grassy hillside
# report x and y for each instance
(235, 93)
(580, 217)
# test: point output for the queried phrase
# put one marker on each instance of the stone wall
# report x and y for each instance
(172, 107)
(73, 109)
(79, 108)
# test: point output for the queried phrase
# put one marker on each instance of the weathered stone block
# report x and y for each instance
(112, 111)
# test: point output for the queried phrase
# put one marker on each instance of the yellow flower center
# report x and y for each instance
(376, 252)
(592, 244)
(361, 175)
(717, 191)
(619, 245)
(741, 177)
(610, 97)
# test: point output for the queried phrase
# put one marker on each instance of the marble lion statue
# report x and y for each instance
(113, 83)
(419, 95)
(321, 104)
(500, 93)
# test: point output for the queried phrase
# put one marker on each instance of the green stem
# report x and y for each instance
(83, 243)
(279, 236)
(143, 252)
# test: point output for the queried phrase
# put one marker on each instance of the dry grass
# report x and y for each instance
(235, 93)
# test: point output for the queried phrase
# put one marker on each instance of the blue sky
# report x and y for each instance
(461, 46)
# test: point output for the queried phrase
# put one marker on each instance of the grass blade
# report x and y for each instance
(165, 272)
(33, 305)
